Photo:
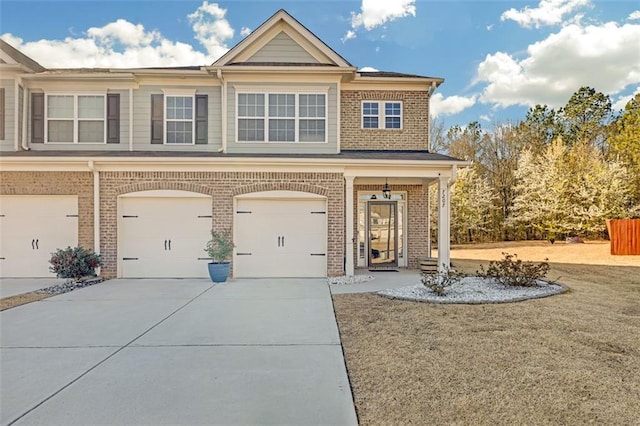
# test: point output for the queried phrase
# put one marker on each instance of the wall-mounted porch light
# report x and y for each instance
(386, 191)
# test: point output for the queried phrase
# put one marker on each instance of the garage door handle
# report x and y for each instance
(165, 245)
(278, 241)
(283, 241)
(37, 248)
(33, 244)
(318, 254)
(169, 245)
(243, 254)
(129, 258)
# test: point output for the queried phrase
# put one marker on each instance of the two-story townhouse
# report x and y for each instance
(316, 167)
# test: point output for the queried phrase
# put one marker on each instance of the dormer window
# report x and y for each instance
(282, 117)
(381, 115)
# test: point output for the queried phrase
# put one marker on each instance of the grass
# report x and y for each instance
(567, 359)
(21, 299)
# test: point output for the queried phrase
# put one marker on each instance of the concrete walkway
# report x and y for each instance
(382, 281)
(176, 352)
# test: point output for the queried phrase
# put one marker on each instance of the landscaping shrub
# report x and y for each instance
(438, 283)
(512, 271)
(76, 262)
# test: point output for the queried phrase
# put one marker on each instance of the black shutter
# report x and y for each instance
(37, 118)
(202, 109)
(157, 119)
(113, 118)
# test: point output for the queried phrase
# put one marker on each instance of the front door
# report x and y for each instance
(383, 233)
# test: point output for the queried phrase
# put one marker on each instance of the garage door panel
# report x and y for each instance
(32, 228)
(164, 237)
(279, 236)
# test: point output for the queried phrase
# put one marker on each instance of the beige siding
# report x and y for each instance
(142, 120)
(124, 133)
(282, 48)
(8, 143)
(281, 148)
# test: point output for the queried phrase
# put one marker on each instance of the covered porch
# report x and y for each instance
(387, 211)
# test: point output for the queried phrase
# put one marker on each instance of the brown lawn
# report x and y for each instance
(567, 359)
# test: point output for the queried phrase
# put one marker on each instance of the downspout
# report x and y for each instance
(223, 109)
(96, 206)
(130, 119)
(25, 118)
(454, 176)
(430, 91)
(16, 108)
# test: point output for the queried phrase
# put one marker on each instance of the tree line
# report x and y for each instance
(554, 174)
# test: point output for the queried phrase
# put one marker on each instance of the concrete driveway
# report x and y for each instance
(14, 286)
(176, 352)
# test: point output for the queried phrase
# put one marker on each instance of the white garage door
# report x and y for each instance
(163, 236)
(33, 227)
(280, 238)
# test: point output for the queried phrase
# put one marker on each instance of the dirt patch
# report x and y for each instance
(588, 253)
(21, 299)
(569, 359)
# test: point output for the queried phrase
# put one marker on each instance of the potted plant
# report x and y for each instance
(219, 248)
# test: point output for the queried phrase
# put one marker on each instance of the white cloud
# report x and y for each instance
(375, 13)
(368, 69)
(348, 36)
(450, 105)
(485, 117)
(489, 27)
(122, 44)
(211, 28)
(633, 16)
(245, 31)
(622, 101)
(605, 57)
(548, 12)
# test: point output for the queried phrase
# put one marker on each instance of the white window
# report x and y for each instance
(179, 119)
(76, 119)
(381, 115)
(282, 117)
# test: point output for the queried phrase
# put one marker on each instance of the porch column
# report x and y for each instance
(349, 216)
(444, 224)
(429, 248)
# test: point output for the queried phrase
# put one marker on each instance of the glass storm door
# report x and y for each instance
(383, 233)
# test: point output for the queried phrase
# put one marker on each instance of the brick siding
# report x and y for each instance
(415, 121)
(222, 186)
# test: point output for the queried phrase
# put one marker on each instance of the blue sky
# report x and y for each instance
(498, 58)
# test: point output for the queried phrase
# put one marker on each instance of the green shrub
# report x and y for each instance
(76, 262)
(512, 271)
(220, 246)
(438, 283)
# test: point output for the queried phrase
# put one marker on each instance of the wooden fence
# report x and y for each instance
(624, 235)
